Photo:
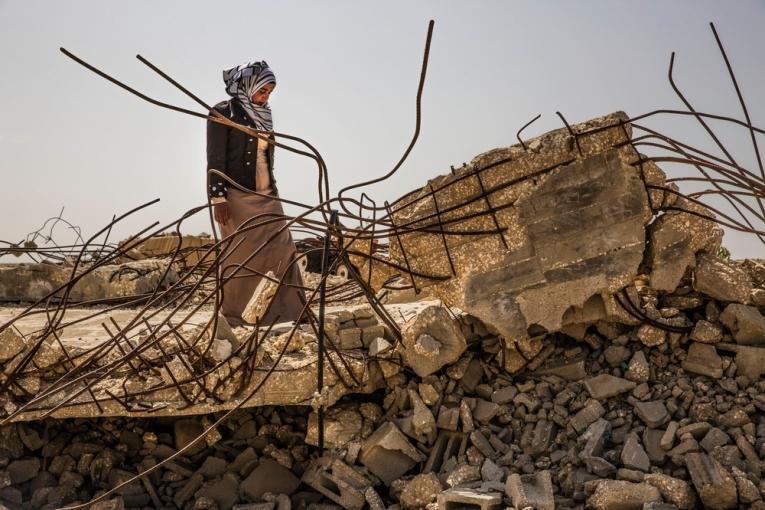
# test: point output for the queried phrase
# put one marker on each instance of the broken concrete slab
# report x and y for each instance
(721, 279)
(31, 282)
(533, 274)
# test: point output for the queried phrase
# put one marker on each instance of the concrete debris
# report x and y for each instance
(620, 494)
(261, 299)
(702, 359)
(465, 498)
(32, 282)
(421, 491)
(714, 484)
(721, 279)
(388, 454)
(334, 479)
(531, 491)
(605, 386)
(746, 324)
(594, 355)
(673, 490)
(432, 339)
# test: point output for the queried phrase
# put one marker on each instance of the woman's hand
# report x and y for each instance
(221, 213)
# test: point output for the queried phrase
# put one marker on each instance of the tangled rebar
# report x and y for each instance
(172, 330)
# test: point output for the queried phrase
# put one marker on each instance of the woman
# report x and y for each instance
(249, 162)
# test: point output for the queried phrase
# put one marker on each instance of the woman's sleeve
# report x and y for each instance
(217, 136)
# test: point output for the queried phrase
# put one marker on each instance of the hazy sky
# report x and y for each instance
(347, 74)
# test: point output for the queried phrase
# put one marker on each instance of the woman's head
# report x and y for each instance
(252, 84)
(254, 80)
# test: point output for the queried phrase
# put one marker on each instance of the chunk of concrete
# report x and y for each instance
(673, 490)
(746, 324)
(341, 425)
(269, 476)
(620, 495)
(421, 490)
(466, 499)
(703, 359)
(11, 344)
(339, 482)
(448, 445)
(422, 419)
(714, 484)
(388, 453)
(531, 491)
(653, 413)
(706, 332)
(261, 298)
(591, 411)
(633, 454)
(638, 369)
(23, 470)
(574, 231)
(721, 279)
(605, 386)
(431, 340)
(651, 336)
(714, 438)
(750, 361)
(675, 239)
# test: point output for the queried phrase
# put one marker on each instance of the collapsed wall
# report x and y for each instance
(578, 218)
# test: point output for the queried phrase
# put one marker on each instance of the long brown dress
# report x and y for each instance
(275, 256)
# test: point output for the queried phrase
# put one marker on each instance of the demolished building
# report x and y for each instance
(571, 338)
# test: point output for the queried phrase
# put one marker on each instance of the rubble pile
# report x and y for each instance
(595, 351)
(623, 415)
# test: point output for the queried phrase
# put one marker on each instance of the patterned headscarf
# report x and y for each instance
(242, 82)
